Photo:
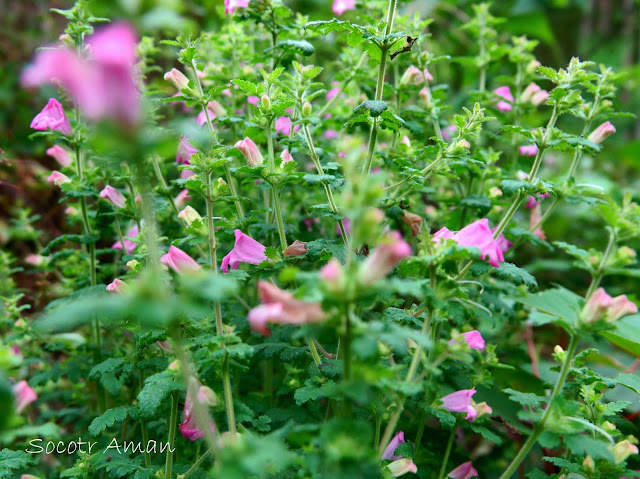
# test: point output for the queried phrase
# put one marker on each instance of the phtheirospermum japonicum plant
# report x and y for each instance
(336, 279)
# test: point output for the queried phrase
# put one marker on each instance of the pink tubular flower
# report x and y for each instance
(52, 117)
(182, 198)
(178, 78)
(502, 241)
(250, 151)
(114, 196)
(102, 82)
(283, 125)
(412, 76)
(341, 6)
(383, 258)
(460, 401)
(402, 466)
(188, 427)
(527, 94)
(285, 156)
(245, 250)
(473, 339)
(231, 5)
(601, 305)
(24, 395)
(58, 178)
(539, 97)
(185, 151)
(116, 286)
(463, 471)
(598, 135)
(60, 155)
(129, 245)
(253, 100)
(479, 235)
(505, 93)
(528, 150)
(201, 119)
(535, 217)
(280, 307)
(179, 261)
(389, 452)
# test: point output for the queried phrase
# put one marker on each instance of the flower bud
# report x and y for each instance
(622, 451)
(207, 397)
(495, 192)
(482, 408)
(405, 141)
(413, 220)
(60, 155)
(527, 94)
(250, 151)
(179, 80)
(383, 258)
(598, 135)
(116, 286)
(285, 156)
(297, 248)
(540, 97)
(58, 178)
(306, 109)
(588, 465)
(112, 195)
(266, 102)
(607, 426)
(531, 67)
(425, 97)
(189, 215)
(174, 366)
(333, 275)
(412, 76)
(217, 108)
(558, 351)
(402, 466)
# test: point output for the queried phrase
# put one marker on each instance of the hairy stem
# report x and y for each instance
(173, 424)
(447, 452)
(274, 190)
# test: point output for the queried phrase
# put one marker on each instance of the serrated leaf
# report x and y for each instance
(109, 418)
(374, 107)
(13, 461)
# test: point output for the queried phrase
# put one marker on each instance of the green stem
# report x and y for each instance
(144, 428)
(539, 428)
(173, 424)
(228, 397)
(595, 282)
(196, 464)
(447, 452)
(274, 191)
(327, 186)
(384, 50)
(120, 236)
(314, 352)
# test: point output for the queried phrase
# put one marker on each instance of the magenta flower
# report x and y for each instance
(231, 5)
(23, 395)
(253, 100)
(285, 156)
(280, 307)
(58, 178)
(505, 93)
(52, 117)
(283, 125)
(185, 151)
(332, 93)
(383, 258)
(250, 151)
(473, 339)
(116, 286)
(182, 198)
(114, 196)
(188, 427)
(463, 471)
(331, 134)
(479, 235)
(245, 250)
(341, 6)
(598, 135)
(179, 261)
(528, 150)
(102, 82)
(389, 452)
(449, 131)
(502, 241)
(460, 401)
(60, 155)
(130, 245)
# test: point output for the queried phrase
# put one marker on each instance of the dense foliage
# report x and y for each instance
(337, 276)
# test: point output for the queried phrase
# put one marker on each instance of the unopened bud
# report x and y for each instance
(207, 397)
(589, 465)
(426, 98)
(306, 109)
(607, 426)
(179, 80)
(622, 451)
(189, 215)
(533, 64)
(266, 102)
(558, 350)
(297, 248)
(598, 135)
(413, 220)
(495, 192)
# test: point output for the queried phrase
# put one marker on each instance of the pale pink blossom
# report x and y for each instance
(341, 6)
(285, 156)
(505, 93)
(449, 131)
(201, 119)
(245, 250)
(331, 134)
(402, 466)
(412, 76)
(528, 150)
(463, 471)
(188, 427)
(479, 235)
(179, 261)
(332, 93)
(23, 395)
(182, 198)
(185, 151)
(58, 178)
(253, 100)
(231, 5)
(60, 155)
(460, 401)
(250, 151)
(601, 305)
(598, 135)
(384, 257)
(281, 307)
(534, 218)
(114, 196)
(332, 272)
(473, 339)
(540, 97)
(34, 259)
(531, 89)
(405, 141)
(130, 245)
(116, 286)
(427, 76)
(52, 117)
(389, 452)
(179, 79)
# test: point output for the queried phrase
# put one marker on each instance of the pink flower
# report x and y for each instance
(114, 196)
(598, 135)
(341, 6)
(201, 119)
(620, 306)
(383, 258)
(250, 151)
(231, 5)
(405, 141)
(52, 117)
(58, 178)
(188, 427)
(540, 97)
(402, 466)
(60, 155)
(130, 246)
(102, 82)
(116, 286)
(23, 395)
(253, 100)
(283, 125)
(463, 471)
(285, 156)
(502, 241)
(473, 339)
(505, 93)
(412, 76)
(427, 76)
(179, 261)
(479, 235)
(443, 233)
(601, 305)
(535, 217)
(528, 150)
(330, 134)
(182, 198)
(332, 93)
(280, 307)
(389, 452)
(178, 78)
(448, 132)
(245, 250)
(332, 272)
(460, 401)
(527, 94)
(185, 151)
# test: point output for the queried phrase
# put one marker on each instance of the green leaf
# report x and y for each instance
(312, 391)
(526, 399)
(302, 46)
(13, 461)
(153, 396)
(626, 334)
(631, 381)
(109, 418)
(557, 302)
(508, 272)
(374, 107)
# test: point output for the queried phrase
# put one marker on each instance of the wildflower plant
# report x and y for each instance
(280, 263)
